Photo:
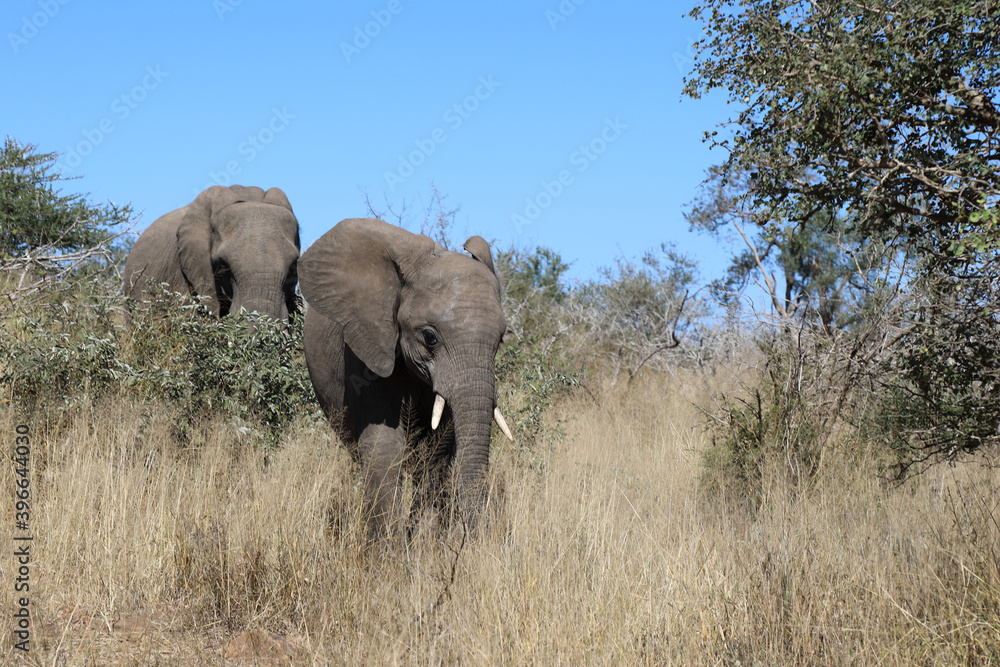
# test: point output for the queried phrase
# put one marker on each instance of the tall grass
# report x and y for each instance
(617, 548)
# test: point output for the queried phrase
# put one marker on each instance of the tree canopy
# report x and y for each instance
(33, 213)
(816, 270)
(885, 110)
(865, 155)
(49, 240)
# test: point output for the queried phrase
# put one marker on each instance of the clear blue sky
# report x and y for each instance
(493, 102)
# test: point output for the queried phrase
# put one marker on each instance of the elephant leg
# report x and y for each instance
(382, 452)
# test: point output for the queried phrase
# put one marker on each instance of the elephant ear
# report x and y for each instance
(480, 249)
(194, 241)
(244, 193)
(353, 275)
(277, 197)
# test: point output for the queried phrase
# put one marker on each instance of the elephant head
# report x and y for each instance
(239, 246)
(427, 318)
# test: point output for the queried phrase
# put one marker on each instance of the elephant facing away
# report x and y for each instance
(236, 245)
(400, 339)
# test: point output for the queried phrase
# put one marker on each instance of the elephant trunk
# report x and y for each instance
(264, 294)
(472, 403)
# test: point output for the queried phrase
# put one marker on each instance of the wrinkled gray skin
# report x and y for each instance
(392, 319)
(236, 245)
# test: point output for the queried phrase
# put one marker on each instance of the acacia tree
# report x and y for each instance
(46, 236)
(881, 116)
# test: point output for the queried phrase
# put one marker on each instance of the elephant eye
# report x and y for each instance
(430, 338)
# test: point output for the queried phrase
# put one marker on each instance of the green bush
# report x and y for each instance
(530, 376)
(781, 418)
(246, 366)
(938, 395)
(75, 348)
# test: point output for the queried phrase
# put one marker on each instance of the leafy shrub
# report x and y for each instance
(244, 365)
(533, 290)
(638, 310)
(784, 413)
(530, 376)
(939, 390)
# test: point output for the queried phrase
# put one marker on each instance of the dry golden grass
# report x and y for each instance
(613, 547)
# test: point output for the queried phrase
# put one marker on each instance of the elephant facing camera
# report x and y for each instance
(234, 247)
(400, 339)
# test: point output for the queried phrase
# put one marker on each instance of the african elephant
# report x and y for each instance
(396, 329)
(236, 245)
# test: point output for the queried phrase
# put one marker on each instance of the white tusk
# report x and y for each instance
(502, 424)
(438, 411)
